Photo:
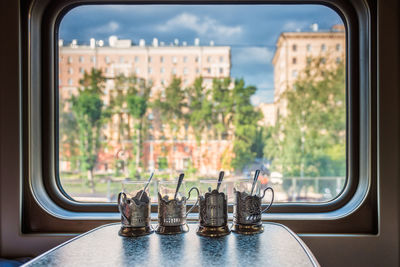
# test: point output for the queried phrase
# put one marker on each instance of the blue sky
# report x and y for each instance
(251, 30)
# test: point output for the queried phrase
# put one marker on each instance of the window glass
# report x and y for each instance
(233, 95)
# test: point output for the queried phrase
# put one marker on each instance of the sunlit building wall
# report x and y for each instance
(156, 63)
(293, 52)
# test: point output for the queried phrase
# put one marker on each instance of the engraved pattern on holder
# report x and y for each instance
(247, 209)
(171, 212)
(213, 209)
(135, 212)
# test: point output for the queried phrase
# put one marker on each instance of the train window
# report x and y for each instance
(269, 102)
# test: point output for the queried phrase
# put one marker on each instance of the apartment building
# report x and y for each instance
(156, 63)
(293, 52)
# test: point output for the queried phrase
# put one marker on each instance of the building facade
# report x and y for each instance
(294, 50)
(157, 64)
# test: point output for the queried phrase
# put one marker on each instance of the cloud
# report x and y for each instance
(292, 25)
(262, 96)
(252, 55)
(202, 26)
(110, 27)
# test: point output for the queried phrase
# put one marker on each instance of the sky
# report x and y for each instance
(250, 30)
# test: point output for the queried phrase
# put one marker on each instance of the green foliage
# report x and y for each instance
(171, 105)
(90, 114)
(69, 148)
(137, 98)
(162, 163)
(200, 115)
(245, 125)
(222, 106)
(310, 140)
(137, 106)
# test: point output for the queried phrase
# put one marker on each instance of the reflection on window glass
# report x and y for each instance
(218, 94)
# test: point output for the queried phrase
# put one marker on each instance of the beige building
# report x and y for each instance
(269, 113)
(156, 63)
(293, 52)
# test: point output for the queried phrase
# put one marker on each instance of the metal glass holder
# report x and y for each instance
(135, 215)
(247, 213)
(213, 215)
(172, 215)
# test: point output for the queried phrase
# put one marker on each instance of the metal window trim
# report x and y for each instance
(44, 192)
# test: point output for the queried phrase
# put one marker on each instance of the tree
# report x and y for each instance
(200, 108)
(245, 125)
(118, 104)
(222, 105)
(137, 102)
(171, 106)
(200, 115)
(90, 113)
(69, 145)
(310, 140)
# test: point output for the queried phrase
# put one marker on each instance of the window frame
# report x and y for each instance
(44, 194)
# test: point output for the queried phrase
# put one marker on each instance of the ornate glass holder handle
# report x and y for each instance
(172, 214)
(135, 215)
(213, 215)
(247, 212)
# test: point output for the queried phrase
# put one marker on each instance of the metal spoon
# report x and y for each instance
(221, 176)
(147, 184)
(254, 181)
(179, 184)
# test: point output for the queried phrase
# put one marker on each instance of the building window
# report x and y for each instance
(162, 70)
(173, 71)
(209, 70)
(338, 60)
(338, 47)
(294, 48)
(150, 70)
(136, 59)
(149, 59)
(81, 59)
(93, 59)
(294, 60)
(121, 59)
(221, 59)
(70, 81)
(82, 70)
(197, 70)
(308, 48)
(162, 59)
(209, 59)
(70, 70)
(137, 70)
(185, 59)
(196, 59)
(107, 59)
(174, 60)
(323, 60)
(185, 70)
(221, 70)
(309, 60)
(69, 59)
(294, 73)
(323, 47)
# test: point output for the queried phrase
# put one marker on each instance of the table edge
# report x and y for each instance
(308, 252)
